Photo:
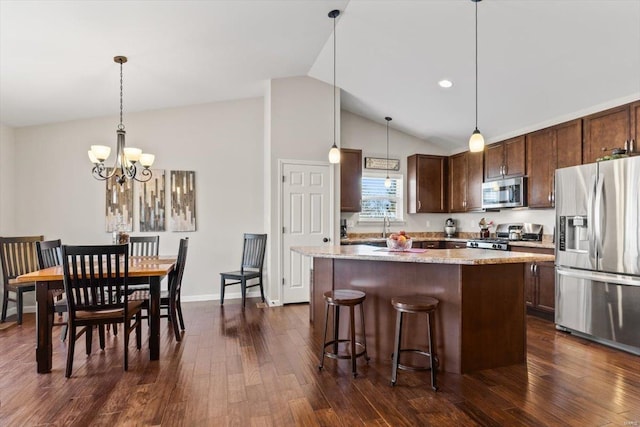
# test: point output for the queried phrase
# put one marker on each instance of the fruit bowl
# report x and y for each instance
(399, 245)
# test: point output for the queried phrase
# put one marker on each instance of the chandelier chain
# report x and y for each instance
(121, 125)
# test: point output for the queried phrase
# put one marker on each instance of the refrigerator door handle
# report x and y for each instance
(599, 217)
(590, 218)
(599, 277)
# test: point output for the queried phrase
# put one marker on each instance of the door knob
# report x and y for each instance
(326, 239)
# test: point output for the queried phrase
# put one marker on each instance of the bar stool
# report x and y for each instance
(344, 298)
(414, 304)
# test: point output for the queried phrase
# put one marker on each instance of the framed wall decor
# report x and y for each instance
(118, 205)
(381, 163)
(151, 202)
(183, 201)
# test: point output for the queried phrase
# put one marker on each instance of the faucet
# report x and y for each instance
(385, 225)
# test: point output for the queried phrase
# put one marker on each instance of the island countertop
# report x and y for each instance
(471, 256)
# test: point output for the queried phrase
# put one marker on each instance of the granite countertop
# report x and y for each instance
(439, 237)
(431, 256)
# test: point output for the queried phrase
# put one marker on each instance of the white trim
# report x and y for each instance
(334, 234)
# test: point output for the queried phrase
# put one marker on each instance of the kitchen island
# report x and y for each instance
(480, 321)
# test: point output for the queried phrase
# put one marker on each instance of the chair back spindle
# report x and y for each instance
(253, 251)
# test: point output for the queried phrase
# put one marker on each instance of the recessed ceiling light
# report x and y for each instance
(445, 83)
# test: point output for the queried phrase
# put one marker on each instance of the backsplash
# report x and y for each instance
(465, 222)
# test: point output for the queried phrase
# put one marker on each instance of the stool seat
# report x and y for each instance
(344, 297)
(414, 303)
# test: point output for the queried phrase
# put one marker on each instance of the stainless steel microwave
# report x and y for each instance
(505, 193)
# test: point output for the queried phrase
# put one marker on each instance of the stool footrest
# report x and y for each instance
(415, 367)
(333, 355)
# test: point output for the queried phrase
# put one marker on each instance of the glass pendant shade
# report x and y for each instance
(100, 152)
(387, 182)
(334, 154)
(476, 142)
(147, 159)
(132, 154)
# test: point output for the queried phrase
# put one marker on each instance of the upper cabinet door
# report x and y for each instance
(505, 159)
(604, 131)
(474, 181)
(634, 144)
(458, 183)
(427, 176)
(493, 161)
(541, 163)
(350, 180)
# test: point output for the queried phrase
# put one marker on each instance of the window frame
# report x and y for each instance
(399, 198)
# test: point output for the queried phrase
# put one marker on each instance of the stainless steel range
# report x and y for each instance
(498, 244)
(506, 233)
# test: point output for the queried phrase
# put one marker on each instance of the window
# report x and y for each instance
(379, 201)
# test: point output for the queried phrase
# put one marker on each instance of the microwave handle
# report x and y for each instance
(511, 194)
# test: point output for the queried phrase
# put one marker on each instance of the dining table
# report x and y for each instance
(50, 281)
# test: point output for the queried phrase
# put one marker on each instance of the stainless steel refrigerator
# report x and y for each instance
(598, 252)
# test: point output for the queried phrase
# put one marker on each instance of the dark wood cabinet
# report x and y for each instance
(465, 182)
(427, 186)
(505, 159)
(634, 144)
(455, 245)
(431, 245)
(609, 129)
(539, 284)
(350, 180)
(547, 150)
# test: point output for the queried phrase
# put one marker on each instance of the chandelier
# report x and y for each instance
(128, 159)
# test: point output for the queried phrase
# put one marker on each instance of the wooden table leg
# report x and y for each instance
(154, 317)
(44, 325)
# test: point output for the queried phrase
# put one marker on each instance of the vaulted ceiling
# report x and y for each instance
(539, 61)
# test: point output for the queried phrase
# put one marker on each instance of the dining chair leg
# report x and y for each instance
(243, 288)
(261, 290)
(179, 308)
(222, 290)
(63, 333)
(88, 330)
(126, 326)
(70, 349)
(19, 299)
(5, 301)
(101, 336)
(174, 319)
(139, 330)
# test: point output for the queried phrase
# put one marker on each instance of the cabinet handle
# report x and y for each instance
(419, 205)
(506, 169)
(549, 197)
(535, 270)
(632, 148)
(531, 268)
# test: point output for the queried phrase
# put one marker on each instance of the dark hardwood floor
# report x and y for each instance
(258, 367)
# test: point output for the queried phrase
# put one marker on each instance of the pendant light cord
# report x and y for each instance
(387, 146)
(334, 80)
(476, 65)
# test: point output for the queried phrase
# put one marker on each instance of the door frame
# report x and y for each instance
(332, 213)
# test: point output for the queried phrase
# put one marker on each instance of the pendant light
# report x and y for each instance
(476, 142)
(387, 181)
(334, 152)
(125, 166)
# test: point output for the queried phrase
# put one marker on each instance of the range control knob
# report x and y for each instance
(495, 246)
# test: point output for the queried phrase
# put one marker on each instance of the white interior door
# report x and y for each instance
(306, 220)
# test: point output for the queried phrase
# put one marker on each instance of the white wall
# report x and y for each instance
(369, 136)
(6, 179)
(55, 194)
(301, 128)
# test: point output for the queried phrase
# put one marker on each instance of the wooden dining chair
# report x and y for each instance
(95, 279)
(18, 256)
(144, 245)
(253, 251)
(49, 254)
(170, 299)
